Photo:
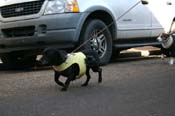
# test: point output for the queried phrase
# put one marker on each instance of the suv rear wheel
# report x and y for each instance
(97, 40)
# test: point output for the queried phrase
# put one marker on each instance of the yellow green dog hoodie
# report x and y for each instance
(73, 58)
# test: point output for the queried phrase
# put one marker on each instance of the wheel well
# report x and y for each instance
(106, 18)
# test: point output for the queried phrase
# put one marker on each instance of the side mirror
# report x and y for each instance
(144, 2)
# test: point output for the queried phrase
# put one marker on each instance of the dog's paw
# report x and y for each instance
(100, 81)
(84, 85)
(64, 89)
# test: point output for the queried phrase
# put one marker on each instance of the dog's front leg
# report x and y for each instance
(57, 75)
(66, 85)
(88, 77)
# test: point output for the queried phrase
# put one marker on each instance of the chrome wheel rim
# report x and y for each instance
(98, 43)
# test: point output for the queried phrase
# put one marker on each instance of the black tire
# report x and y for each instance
(13, 61)
(169, 51)
(101, 42)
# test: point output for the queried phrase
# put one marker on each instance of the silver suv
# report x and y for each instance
(29, 26)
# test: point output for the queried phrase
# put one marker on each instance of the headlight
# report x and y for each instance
(61, 6)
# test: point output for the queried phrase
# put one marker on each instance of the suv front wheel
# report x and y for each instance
(97, 37)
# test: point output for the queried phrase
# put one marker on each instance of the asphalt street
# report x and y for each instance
(137, 86)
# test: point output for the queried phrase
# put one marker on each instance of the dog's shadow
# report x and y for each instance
(92, 89)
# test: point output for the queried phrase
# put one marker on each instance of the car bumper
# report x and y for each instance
(51, 30)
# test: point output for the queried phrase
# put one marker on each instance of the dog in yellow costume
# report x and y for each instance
(74, 58)
(73, 66)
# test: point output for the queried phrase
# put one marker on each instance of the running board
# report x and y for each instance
(131, 45)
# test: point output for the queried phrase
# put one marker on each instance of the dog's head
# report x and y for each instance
(52, 56)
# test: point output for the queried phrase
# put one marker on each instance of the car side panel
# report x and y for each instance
(135, 23)
(162, 15)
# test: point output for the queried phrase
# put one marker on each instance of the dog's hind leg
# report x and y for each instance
(99, 70)
(57, 75)
(88, 78)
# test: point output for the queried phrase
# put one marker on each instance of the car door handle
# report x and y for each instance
(144, 2)
(169, 3)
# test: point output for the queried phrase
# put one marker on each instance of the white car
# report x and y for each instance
(29, 26)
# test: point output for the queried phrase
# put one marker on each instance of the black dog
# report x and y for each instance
(72, 66)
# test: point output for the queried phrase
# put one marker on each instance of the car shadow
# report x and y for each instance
(135, 56)
(37, 67)
(123, 57)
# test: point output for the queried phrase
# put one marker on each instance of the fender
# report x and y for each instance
(87, 13)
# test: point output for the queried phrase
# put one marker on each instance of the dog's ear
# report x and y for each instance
(61, 57)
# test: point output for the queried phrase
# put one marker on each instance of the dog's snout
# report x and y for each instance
(42, 61)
